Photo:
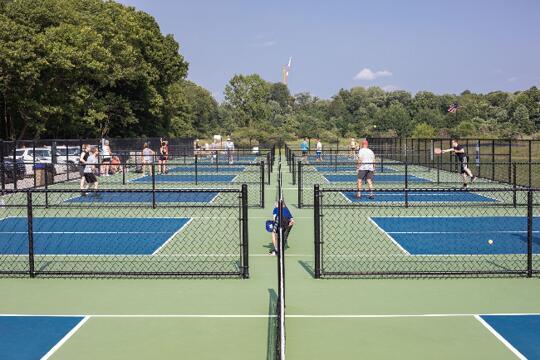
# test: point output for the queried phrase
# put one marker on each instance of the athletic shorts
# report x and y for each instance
(318, 154)
(162, 158)
(365, 175)
(463, 166)
(90, 178)
(304, 153)
(106, 158)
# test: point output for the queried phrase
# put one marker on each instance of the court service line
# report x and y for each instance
(65, 338)
(500, 337)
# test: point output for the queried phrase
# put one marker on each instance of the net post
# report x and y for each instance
(317, 229)
(152, 168)
(123, 172)
(30, 220)
(529, 233)
(46, 186)
(299, 181)
(67, 162)
(262, 183)
(514, 185)
(245, 232)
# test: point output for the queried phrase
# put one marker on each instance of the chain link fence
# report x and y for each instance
(125, 232)
(426, 232)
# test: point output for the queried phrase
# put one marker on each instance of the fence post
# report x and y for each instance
(530, 163)
(262, 184)
(245, 232)
(34, 162)
(197, 168)
(14, 172)
(30, 220)
(2, 166)
(493, 160)
(299, 181)
(406, 185)
(317, 229)
(123, 171)
(269, 172)
(153, 185)
(509, 160)
(293, 171)
(529, 232)
(514, 195)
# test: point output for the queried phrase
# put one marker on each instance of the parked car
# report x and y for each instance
(7, 169)
(43, 155)
(68, 155)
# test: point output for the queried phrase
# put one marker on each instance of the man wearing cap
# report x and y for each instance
(366, 169)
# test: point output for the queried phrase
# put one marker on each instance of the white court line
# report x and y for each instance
(299, 316)
(65, 338)
(172, 236)
(389, 236)
(500, 338)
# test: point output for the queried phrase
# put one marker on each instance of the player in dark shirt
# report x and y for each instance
(461, 155)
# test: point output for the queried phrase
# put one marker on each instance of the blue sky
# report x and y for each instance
(435, 45)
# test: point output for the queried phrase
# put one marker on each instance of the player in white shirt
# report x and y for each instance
(229, 147)
(318, 151)
(366, 169)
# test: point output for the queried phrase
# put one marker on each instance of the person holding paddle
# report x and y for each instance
(461, 156)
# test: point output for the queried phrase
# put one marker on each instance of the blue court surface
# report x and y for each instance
(208, 168)
(415, 196)
(460, 235)
(378, 178)
(145, 197)
(32, 337)
(186, 178)
(522, 332)
(352, 168)
(88, 236)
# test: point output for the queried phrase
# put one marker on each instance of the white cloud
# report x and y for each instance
(369, 75)
(389, 88)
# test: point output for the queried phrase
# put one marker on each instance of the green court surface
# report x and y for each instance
(421, 318)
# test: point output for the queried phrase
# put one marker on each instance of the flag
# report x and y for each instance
(453, 108)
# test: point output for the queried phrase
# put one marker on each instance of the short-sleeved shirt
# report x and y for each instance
(147, 153)
(460, 156)
(367, 159)
(319, 146)
(286, 213)
(304, 146)
(229, 145)
(92, 160)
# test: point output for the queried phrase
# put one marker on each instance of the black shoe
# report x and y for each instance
(465, 186)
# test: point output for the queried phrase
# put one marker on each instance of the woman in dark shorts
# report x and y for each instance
(89, 169)
(163, 156)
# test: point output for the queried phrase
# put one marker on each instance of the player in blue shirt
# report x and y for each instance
(287, 223)
(305, 150)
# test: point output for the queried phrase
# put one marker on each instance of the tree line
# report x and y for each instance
(92, 68)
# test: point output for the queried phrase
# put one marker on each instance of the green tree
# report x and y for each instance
(424, 131)
(247, 97)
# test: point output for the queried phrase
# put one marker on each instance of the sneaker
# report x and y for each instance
(465, 186)
(358, 195)
(371, 197)
(272, 253)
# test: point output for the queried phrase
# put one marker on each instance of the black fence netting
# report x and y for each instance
(181, 232)
(426, 232)
(117, 175)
